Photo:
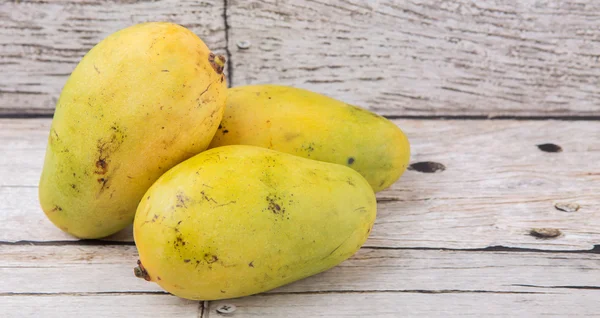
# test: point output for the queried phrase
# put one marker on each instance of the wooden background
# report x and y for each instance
(476, 85)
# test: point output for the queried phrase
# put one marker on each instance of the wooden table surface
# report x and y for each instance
(476, 85)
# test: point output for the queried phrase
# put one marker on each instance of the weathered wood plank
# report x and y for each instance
(22, 219)
(28, 269)
(434, 57)
(101, 306)
(431, 57)
(41, 42)
(79, 269)
(576, 303)
(496, 187)
(572, 303)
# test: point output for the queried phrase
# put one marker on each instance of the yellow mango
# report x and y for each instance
(314, 126)
(240, 220)
(142, 100)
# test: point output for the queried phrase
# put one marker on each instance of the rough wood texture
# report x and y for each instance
(26, 269)
(41, 42)
(100, 306)
(572, 303)
(433, 251)
(497, 186)
(432, 57)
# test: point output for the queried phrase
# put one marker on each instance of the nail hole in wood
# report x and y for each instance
(226, 309)
(567, 207)
(427, 167)
(549, 147)
(545, 233)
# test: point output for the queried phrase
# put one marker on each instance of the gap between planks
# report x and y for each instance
(227, 49)
(49, 114)
(495, 248)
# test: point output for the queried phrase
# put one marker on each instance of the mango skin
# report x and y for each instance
(142, 100)
(314, 126)
(240, 220)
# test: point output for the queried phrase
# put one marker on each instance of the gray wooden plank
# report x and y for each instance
(41, 42)
(101, 306)
(27, 269)
(497, 186)
(431, 57)
(571, 303)
(22, 219)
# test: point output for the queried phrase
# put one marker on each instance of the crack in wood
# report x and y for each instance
(416, 291)
(17, 113)
(203, 309)
(492, 117)
(566, 287)
(370, 291)
(87, 293)
(227, 50)
(65, 243)
(595, 250)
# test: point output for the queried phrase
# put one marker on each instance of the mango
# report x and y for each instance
(239, 220)
(314, 126)
(142, 100)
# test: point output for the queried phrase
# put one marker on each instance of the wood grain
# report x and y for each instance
(432, 251)
(105, 269)
(497, 186)
(41, 42)
(429, 57)
(375, 281)
(26, 269)
(572, 303)
(425, 58)
(101, 306)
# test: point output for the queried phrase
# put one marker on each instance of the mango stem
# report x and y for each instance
(140, 271)
(217, 62)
